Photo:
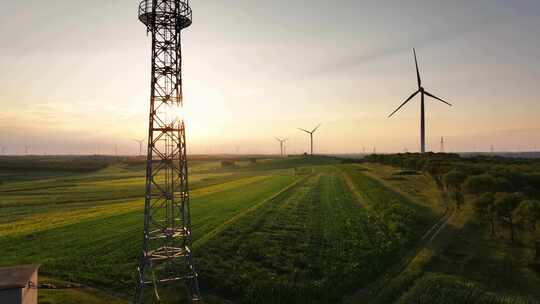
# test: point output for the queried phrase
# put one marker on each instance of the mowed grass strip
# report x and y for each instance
(201, 240)
(50, 219)
(420, 188)
(103, 249)
(372, 191)
(41, 214)
(78, 189)
(29, 219)
(211, 212)
(292, 249)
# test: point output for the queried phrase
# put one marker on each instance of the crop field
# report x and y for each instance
(295, 230)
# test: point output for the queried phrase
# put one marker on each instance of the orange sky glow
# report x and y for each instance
(252, 71)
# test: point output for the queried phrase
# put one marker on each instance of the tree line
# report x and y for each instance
(504, 193)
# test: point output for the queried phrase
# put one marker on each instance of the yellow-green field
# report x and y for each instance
(296, 230)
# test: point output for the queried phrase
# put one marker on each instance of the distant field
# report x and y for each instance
(296, 230)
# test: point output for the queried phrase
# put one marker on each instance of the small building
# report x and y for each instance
(19, 284)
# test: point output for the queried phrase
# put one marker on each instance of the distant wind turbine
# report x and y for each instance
(26, 149)
(3, 150)
(442, 145)
(422, 114)
(310, 135)
(140, 141)
(281, 145)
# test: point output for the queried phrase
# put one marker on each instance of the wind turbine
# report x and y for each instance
(140, 141)
(422, 92)
(26, 149)
(281, 142)
(442, 145)
(3, 150)
(310, 135)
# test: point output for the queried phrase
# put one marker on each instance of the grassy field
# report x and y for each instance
(296, 230)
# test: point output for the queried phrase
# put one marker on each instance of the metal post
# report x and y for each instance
(311, 136)
(422, 125)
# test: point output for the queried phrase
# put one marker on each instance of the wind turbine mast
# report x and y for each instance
(281, 146)
(140, 141)
(422, 92)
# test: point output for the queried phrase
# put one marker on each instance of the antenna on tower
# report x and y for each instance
(166, 259)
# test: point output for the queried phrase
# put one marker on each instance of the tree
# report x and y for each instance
(433, 167)
(506, 204)
(484, 206)
(479, 184)
(458, 198)
(528, 214)
(454, 179)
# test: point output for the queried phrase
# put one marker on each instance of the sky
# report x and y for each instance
(75, 75)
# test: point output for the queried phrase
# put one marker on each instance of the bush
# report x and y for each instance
(228, 163)
(454, 179)
(479, 184)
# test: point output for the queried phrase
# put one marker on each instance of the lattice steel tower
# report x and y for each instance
(166, 258)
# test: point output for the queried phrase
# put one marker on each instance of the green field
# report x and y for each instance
(296, 230)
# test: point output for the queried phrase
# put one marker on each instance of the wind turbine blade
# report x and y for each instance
(304, 130)
(417, 71)
(316, 128)
(431, 95)
(410, 97)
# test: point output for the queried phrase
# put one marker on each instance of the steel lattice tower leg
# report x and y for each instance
(166, 257)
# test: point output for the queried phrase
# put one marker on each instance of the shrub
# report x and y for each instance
(479, 184)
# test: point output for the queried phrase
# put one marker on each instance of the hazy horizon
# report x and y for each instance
(74, 76)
